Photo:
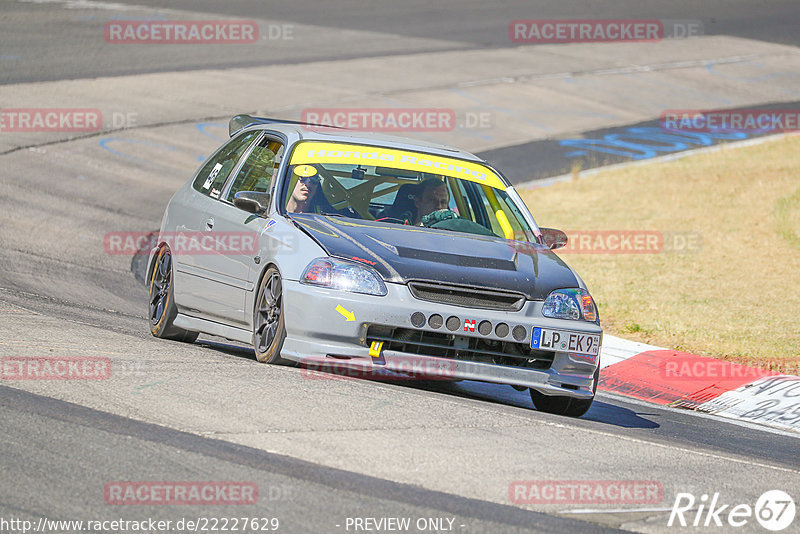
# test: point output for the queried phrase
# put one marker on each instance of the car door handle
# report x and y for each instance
(210, 223)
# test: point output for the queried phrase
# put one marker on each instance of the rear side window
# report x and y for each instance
(215, 172)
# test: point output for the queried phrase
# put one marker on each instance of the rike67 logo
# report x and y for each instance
(774, 510)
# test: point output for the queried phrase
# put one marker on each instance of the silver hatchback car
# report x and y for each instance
(382, 255)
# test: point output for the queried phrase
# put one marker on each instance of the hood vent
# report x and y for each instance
(458, 259)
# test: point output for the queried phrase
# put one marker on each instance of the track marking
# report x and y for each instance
(588, 173)
(705, 415)
(704, 454)
(679, 449)
(631, 69)
(90, 4)
(613, 511)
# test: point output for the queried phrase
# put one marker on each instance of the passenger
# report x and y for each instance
(433, 196)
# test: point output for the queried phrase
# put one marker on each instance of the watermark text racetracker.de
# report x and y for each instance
(624, 242)
(232, 243)
(541, 31)
(193, 32)
(379, 368)
(731, 120)
(688, 367)
(19, 120)
(152, 493)
(70, 368)
(55, 368)
(77, 120)
(586, 492)
(395, 119)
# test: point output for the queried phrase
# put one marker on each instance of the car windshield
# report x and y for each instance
(402, 187)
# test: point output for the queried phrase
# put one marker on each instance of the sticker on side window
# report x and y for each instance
(213, 174)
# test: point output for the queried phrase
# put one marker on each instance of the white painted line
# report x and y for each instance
(89, 4)
(614, 511)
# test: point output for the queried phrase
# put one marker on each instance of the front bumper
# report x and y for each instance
(336, 328)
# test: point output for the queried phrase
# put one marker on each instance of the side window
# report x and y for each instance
(259, 168)
(213, 175)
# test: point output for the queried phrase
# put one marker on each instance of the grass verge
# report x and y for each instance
(727, 281)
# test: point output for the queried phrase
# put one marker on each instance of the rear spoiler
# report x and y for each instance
(242, 121)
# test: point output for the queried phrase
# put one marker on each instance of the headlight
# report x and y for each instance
(337, 274)
(574, 304)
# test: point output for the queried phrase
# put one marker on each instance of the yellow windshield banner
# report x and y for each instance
(320, 152)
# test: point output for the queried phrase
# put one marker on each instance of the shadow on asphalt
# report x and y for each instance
(603, 412)
(240, 351)
(600, 412)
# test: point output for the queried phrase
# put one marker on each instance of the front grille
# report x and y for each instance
(466, 296)
(441, 345)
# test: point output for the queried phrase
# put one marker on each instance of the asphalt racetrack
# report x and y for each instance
(327, 454)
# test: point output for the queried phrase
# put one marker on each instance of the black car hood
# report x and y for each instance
(403, 253)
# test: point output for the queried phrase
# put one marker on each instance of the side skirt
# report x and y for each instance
(215, 329)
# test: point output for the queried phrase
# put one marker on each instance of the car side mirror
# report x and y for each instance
(554, 238)
(252, 201)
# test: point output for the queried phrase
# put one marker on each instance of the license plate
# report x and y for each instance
(563, 341)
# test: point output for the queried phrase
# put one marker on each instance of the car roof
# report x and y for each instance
(306, 132)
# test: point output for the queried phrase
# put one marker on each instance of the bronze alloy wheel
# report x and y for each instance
(269, 327)
(162, 310)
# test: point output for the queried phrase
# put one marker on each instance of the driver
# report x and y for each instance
(433, 196)
(305, 190)
(308, 197)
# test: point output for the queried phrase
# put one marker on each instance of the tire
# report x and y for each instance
(269, 326)
(162, 309)
(563, 405)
